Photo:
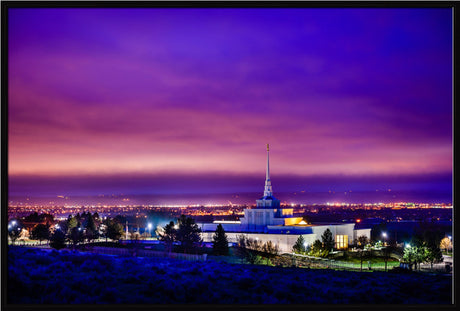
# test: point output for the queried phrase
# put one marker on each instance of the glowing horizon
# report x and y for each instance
(179, 92)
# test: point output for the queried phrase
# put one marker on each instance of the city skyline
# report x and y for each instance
(171, 101)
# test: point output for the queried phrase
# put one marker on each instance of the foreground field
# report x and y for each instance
(52, 277)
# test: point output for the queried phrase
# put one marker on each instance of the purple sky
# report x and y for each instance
(176, 100)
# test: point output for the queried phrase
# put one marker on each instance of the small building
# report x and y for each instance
(268, 221)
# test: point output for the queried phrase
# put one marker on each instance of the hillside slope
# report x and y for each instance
(52, 277)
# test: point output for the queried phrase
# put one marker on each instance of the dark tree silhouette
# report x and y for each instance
(328, 241)
(249, 249)
(433, 255)
(91, 231)
(270, 250)
(317, 247)
(299, 245)
(57, 239)
(361, 244)
(75, 236)
(114, 230)
(188, 234)
(168, 235)
(220, 242)
(41, 232)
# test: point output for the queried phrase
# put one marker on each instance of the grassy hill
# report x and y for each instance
(62, 277)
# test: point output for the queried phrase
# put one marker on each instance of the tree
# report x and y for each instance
(328, 241)
(361, 244)
(220, 242)
(445, 244)
(409, 256)
(168, 235)
(433, 255)
(248, 249)
(316, 248)
(57, 239)
(72, 222)
(240, 248)
(299, 246)
(270, 250)
(41, 232)
(76, 236)
(188, 234)
(91, 231)
(114, 230)
(14, 231)
(420, 253)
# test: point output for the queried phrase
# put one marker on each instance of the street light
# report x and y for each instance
(150, 228)
(384, 235)
(305, 245)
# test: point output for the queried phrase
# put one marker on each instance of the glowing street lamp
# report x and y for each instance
(384, 235)
(150, 227)
(305, 245)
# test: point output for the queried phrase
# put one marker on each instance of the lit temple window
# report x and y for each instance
(341, 241)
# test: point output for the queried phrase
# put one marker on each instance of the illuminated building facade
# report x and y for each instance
(269, 222)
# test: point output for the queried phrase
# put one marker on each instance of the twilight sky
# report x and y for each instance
(185, 100)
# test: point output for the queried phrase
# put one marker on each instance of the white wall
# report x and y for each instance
(284, 241)
(359, 232)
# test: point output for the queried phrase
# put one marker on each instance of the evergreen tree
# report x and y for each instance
(220, 242)
(188, 234)
(41, 232)
(316, 248)
(433, 255)
(168, 235)
(72, 222)
(299, 246)
(328, 241)
(57, 240)
(114, 230)
(75, 236)
(91, 232)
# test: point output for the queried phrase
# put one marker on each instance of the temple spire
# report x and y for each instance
(268, 185)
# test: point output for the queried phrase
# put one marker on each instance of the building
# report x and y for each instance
(268, 221)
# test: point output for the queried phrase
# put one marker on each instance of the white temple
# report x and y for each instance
(269, 221)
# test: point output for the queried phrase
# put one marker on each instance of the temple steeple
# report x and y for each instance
(268, 200)
(268, 191)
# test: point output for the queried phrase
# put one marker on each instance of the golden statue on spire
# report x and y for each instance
(267, 147)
